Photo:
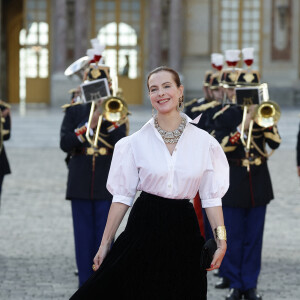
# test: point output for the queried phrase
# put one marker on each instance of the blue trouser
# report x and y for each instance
(242, 261)
(89, 220)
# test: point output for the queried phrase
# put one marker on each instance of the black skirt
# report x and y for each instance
(156, 257)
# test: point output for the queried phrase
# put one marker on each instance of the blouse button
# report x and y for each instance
(169, 185)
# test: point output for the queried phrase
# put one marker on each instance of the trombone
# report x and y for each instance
(113, 109)
(266, 114)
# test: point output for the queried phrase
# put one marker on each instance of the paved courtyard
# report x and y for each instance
(36, 238)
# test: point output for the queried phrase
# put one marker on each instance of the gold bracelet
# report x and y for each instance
(220, 232)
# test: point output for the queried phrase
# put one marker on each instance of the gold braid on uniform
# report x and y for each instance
(273, 136)
(105, 142)
(221, 111)
(205, 106)
(3, 103)
(118, 124)
(190, 102)
(262, 153)
(227, 148)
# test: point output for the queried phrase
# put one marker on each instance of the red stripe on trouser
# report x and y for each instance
(198, 210)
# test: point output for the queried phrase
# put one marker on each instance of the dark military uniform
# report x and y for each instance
(189, 106)
(208, 110)
(5, 135)
(86, 186)
(244, 204)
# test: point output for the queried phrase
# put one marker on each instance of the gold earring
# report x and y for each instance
(180, 104)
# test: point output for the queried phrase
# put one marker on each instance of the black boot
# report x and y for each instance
(252, 294)
(223, 283)
(234, 294)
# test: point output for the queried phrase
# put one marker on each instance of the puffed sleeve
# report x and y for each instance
(123, 175)
(215, 180)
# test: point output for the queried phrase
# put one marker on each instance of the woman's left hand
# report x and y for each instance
(218, 257)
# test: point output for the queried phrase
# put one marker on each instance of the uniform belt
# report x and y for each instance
(92, 151)
(244, 162)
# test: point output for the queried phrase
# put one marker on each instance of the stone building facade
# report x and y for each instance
(41, 38)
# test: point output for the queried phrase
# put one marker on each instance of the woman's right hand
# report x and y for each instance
(100, 255)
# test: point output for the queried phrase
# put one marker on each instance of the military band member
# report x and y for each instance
(5, 125)
(245, 202)
(197, 102)
(207, 110)
(225, 116)
(88, 170)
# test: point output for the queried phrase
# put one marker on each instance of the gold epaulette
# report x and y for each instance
(4, 132)
(70, 104)
(206, 106)
(190, 102)
(5, 104)
(218, 113)
(273, 136)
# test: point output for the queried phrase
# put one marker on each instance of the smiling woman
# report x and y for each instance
(158, 255)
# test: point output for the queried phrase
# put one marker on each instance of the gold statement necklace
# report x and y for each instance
(171, 137)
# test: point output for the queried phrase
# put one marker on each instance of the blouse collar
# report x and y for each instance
(189, 120)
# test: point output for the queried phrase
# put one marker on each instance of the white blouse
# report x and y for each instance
(142, 162)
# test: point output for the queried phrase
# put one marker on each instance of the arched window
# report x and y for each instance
(34, 54)
(124, 38)
(240, 26)
(119, 26)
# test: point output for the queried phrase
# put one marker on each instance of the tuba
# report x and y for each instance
(113, 109)
(78, 67)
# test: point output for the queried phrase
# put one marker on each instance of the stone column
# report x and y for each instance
(155, 31)
(81, 28)
(60, 36)
(175, 31)
(60, 84)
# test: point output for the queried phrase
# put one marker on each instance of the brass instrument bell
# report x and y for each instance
(267, 114)
(113, 109)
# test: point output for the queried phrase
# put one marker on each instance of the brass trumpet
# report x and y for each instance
(113, 109)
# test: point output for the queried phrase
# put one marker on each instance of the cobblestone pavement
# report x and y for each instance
(36, 237)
